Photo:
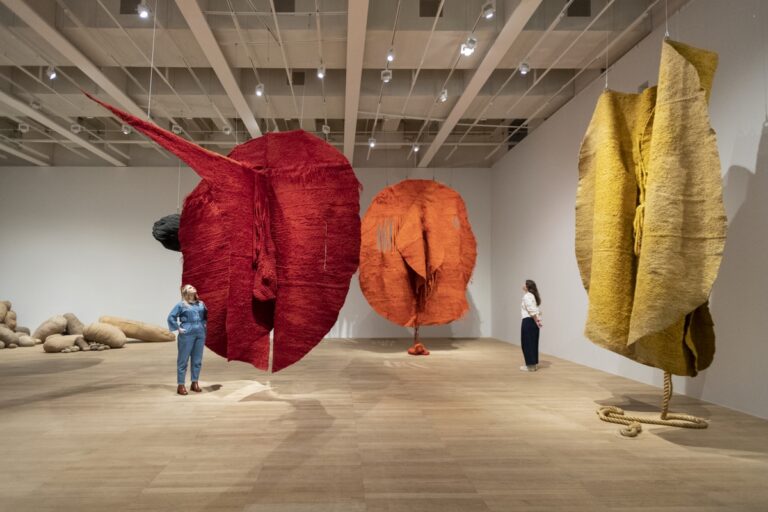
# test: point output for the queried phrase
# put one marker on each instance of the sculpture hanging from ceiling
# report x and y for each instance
(650, 219)
(417, 255)
(270, 238)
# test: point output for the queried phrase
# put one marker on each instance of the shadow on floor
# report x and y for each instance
(39, 367)
(741, 445)
(400, 345)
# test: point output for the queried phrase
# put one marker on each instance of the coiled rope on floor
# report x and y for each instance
(633, 427)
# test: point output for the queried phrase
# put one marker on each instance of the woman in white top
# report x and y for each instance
(529, 331)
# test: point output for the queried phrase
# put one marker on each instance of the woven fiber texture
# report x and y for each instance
(417, 254)
(270, 239)
(650, 220)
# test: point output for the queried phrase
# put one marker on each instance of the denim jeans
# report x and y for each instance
(190, 344)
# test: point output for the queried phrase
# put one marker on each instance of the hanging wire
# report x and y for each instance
(178, 190)
(152, 60)
(666, 19)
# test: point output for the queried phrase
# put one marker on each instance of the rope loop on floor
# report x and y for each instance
(633, 427)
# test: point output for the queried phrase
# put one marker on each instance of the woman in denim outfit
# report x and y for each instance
(189, 317)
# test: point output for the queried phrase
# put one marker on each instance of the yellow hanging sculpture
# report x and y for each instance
(650, 220)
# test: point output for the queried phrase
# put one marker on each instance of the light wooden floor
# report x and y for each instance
(357, 426)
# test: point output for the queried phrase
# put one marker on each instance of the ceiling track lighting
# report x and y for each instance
(51, 73)
(443, 96)
(23, 127)
(227, 130)
(321, 72)
(386, 75)
(372, 142)
(126, 129)
(468, 47)
(260, 90)
(391, 54)
(524, 68)
(143, 10)
(489, 10)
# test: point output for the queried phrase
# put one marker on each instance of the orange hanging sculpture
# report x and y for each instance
(417, 254)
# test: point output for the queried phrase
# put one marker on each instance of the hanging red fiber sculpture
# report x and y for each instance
(270, 238)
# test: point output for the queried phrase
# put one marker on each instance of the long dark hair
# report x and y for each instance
(531, 286)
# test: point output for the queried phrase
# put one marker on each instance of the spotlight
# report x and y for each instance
(386, 75)
(23, 127)
(524, 68)
(35, 104)
(126, 129)
(468, 48)
(415, 148)
(326, 129)
(51, 73)
(227, 130)
(489, 11)
(443, 96)
(391, 54)
(75, 128)
(372, 142)
(176, 129)
(321, 72)
(143, 10)
(260, 90)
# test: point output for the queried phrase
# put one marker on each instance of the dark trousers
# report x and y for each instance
(529, 337)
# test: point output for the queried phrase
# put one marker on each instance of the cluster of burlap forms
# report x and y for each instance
(650, 219)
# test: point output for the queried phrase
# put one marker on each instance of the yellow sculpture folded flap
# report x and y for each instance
(650, 219)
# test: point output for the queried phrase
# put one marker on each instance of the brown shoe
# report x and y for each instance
(196, 387)
(181, 390)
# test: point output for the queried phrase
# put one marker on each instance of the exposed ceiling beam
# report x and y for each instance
(357, 20)
(15, 152)
(508, 35)
(75, 56)
(202, 32)
(41, 118)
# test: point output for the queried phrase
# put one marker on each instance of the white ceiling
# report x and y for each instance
(95, 48)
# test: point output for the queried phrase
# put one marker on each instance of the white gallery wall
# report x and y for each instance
(80, 240)
(534, 190)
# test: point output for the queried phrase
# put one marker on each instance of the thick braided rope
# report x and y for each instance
(613, 414)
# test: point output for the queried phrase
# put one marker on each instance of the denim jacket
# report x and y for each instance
(189, 317)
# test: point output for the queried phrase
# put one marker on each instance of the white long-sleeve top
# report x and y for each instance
(529, 308)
